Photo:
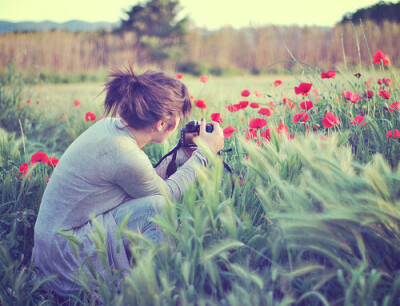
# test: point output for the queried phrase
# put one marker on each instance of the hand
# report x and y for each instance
(189, 150)
(214, 140)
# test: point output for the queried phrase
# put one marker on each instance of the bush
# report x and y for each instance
(216, 71)
(191, 67)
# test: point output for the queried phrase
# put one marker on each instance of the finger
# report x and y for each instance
(202, 126)
(216, 126)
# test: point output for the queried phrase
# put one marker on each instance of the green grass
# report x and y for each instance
(313, 220)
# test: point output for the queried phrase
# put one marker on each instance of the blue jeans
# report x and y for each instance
(140, 211)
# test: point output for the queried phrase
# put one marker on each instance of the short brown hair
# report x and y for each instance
(141, 100)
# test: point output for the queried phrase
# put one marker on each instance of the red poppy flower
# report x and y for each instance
(200, 104)
(179, 76)
(277, 83)
(358, 120)
(330, 74)
(237, 107)
(330, 120)
(266, 134)
(282, 128)
(303, 117)
(39, 157)
(53, 161)
(47, 180)
(306, 105)
(264, 111)
(232, 108)
(395, 106)
(385, 81)
(258, 94)
(77, 102)
(381, 57)
(384, 94)
(291, 104)
(369, 94)
(245, 93)
(216, 117)
(352, 97)
(272, 104)
(254, 105)
(203, 79)
(303, 89)
(28, 101)
(393, 134)
(251, 135)
(257, 123)
(90, 117)
(37, 102)
(23, 170)
(228, 131)
(243, 104)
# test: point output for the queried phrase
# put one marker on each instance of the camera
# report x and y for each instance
(192, 129)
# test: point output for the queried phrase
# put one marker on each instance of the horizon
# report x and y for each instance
(207, 14)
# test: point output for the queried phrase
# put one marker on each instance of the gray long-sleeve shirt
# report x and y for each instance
(101, 169)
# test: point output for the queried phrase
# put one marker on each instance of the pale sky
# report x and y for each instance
(211, 14)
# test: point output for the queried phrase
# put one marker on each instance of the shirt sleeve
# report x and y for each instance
(181, 158)
(136, 175)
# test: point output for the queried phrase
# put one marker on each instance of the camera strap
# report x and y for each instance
(171, 169)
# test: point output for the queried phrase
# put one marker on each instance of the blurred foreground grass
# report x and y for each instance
(313, 220)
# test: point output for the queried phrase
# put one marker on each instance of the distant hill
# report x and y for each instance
(383, 11)
(72, 25)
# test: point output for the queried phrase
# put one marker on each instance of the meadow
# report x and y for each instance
(314, 214)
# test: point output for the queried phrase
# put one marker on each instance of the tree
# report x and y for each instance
(157, 27)
(378, 13)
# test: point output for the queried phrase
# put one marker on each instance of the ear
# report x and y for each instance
(160, 125)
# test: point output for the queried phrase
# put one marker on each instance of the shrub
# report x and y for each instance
(191, 67)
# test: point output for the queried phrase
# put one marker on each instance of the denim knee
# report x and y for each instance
(150, 206)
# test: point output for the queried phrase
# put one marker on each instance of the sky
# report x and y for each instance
(210, 14)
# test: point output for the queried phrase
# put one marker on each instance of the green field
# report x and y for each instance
(59, 97)
(314, 218)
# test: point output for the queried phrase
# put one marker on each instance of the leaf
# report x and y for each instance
(220, 248)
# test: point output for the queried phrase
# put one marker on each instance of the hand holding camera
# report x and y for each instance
(209, 133)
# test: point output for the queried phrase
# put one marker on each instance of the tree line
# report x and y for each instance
(256, 50)
(153, 35)
(378, 13)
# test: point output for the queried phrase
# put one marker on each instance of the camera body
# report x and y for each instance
(192, 129)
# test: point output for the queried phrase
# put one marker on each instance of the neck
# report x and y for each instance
(142, 137)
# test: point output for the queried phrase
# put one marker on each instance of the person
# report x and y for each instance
(105, 176)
